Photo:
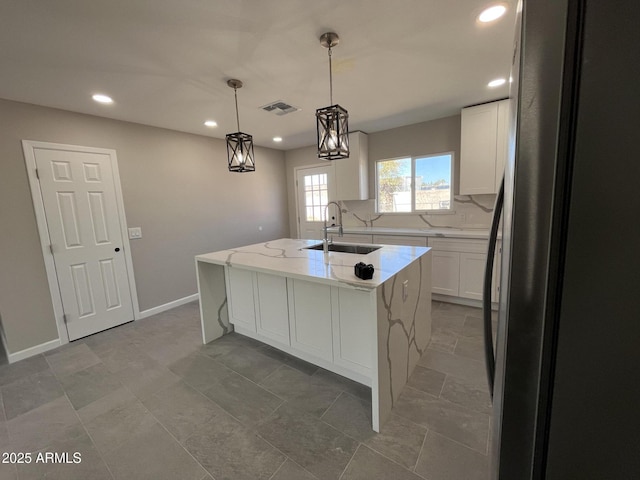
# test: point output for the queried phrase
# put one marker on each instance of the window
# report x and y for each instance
(316, 196)
(414, 184)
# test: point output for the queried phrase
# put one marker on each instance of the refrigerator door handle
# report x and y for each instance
(486, 293)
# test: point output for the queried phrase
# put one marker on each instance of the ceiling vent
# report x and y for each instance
(280, 108)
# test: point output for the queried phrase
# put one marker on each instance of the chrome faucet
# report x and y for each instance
(325, 242)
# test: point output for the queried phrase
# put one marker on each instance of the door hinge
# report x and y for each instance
(51, 248)
(296, 183)
(37, 174)
(64, 318)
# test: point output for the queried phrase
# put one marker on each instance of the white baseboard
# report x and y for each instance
(31, 351)
(167, 306)
(461, 301)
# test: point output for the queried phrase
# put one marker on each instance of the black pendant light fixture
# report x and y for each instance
(239, 145)
(332, 122)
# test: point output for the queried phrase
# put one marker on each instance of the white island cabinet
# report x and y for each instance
(314, 307)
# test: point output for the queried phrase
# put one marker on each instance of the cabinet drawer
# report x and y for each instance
(458, 245)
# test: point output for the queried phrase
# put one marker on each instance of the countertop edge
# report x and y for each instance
(356, 284)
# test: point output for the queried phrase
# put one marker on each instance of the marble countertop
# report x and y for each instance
(287, 257)
(452, 232)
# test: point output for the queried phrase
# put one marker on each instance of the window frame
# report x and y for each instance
(441, 211)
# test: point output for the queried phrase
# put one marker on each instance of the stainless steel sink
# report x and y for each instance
(344, 248)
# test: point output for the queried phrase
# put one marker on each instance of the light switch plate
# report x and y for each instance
(135, 233)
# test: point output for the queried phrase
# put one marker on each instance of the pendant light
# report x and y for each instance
(239, 145)
(332, 123)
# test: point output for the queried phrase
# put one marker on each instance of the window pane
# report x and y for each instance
(316, 196)
(433, 182)
(394, 185)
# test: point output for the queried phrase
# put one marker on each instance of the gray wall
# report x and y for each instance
(176, 186)
(436, 136)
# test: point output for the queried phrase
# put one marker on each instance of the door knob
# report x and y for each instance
(117, 249)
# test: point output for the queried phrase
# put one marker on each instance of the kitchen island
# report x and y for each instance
(311, 305)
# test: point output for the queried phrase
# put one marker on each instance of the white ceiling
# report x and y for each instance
(166, 62)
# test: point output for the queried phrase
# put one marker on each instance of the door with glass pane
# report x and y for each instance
(315, 187)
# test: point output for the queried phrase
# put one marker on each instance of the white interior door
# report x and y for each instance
(315, 187)
(79, 198)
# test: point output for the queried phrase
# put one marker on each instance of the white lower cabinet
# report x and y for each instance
(472, 266)
(310, 318)
(445, 272)
(353, 320)
(458, 268)
(331, 326)
(240, 295)
(272, 307)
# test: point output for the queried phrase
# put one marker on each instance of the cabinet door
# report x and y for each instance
(400, 240)
(352, 179)
(310, 318)
(353, 325)
(472, 267)
(241, 299)
(445, 272)
(478, 149)
(273, 310)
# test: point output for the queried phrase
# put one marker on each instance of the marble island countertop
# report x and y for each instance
(288, 257)
(453, 232)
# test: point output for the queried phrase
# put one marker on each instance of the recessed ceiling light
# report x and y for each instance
(497, 82)
(210, 123)
(100, 98)
(277, 139)
(492, 13)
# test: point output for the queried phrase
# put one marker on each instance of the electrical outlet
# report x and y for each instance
(463, 217)
(135, 233)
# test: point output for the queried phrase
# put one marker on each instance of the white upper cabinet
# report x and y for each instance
(352, 174)
(483, 147)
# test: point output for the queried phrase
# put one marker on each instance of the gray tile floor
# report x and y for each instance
(147, 400)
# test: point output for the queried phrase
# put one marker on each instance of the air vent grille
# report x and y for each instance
(279, 108)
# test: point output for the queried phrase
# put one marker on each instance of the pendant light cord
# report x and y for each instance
(330, 80)
(235, 92)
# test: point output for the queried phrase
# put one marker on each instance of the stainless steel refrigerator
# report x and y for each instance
(567, 356)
